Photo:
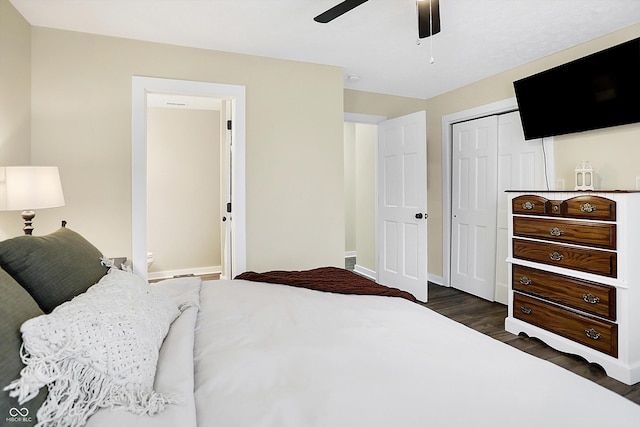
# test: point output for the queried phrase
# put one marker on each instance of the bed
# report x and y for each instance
(256, 352)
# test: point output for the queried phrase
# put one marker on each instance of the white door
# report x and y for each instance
(520, 167)
(402, 204)
(473, 206)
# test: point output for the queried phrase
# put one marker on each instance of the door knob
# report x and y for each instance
(419, 216)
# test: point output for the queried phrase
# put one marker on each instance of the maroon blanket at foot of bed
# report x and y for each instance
(327, 279)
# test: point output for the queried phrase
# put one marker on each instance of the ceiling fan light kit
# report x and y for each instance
(428, 15)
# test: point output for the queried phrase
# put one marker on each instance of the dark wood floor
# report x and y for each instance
(488, 318)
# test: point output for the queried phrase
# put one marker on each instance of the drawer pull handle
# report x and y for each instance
(590, 298)
(526, 310)
(556, 256)
(528, 205)
(525, 280)
(593, 334)
(555, 231)
(587, 207)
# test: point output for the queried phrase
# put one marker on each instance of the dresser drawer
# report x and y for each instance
(530, 205)
(594, 333)
(583, 295)
(596, 234)
(581, 207)
(588, 260)
(589, 207)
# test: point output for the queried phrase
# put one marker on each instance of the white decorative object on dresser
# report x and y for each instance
(575, 275)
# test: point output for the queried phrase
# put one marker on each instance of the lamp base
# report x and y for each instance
(28, 216)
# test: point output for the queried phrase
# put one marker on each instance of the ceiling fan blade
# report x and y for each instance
(338, 10)
(428, 23)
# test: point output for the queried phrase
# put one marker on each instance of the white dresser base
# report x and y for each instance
(614, 368)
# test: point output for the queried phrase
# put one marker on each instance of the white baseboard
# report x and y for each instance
(198, 271)
(502, 293)
(438, 280)
(365, 272)
(350, 254)
(371, 274)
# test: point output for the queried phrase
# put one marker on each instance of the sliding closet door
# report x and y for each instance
(520, 167)
(474, 200)
(489, 156)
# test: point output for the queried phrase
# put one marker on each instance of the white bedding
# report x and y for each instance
(279, 356)
(174, 373)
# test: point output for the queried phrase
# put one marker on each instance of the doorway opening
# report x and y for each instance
(360, 145)
(185, 176)
(234, 253)
(360, 142)
(392, 214)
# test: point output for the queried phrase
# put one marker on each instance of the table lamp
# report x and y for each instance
(25, 188)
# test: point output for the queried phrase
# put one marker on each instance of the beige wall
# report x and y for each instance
(183, 189)
(611, 151)
(380, 104)
(81, 121)
(15, 101)
(15, 88)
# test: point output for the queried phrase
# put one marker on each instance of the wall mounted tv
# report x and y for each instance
(597, 91)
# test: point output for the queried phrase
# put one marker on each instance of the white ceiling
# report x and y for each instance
(376, 41)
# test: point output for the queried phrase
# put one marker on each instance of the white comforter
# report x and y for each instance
(278, 356)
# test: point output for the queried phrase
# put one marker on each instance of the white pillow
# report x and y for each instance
(98, 350)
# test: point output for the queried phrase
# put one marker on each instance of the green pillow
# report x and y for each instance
(16, 306)
(52, 268)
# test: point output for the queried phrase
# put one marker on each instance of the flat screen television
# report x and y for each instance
(597, 91)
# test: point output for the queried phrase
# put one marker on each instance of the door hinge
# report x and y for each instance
(228, 124)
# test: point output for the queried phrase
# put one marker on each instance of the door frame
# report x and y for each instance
(140, 87)
(499, 107)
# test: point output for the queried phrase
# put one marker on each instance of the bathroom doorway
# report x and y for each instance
(184, 186)
(233, 255)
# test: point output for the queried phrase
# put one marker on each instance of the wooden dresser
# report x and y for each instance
(575, 275)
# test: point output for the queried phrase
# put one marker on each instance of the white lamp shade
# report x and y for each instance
(30, 187)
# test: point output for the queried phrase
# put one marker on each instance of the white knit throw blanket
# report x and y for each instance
(98, 350)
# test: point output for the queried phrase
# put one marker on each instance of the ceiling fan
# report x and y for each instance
(428, 15)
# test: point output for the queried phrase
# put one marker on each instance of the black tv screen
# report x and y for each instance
(597, 91)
